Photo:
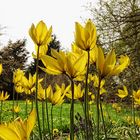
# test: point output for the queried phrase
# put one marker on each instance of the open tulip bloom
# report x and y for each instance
(109, 66)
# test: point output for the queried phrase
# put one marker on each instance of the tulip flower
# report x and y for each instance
(85, 37)
(29, 84)
(122, 93)
(40, 34)
(17, 80)
(109, 66)
(56, 64)
(1, 69)
(42, 51)
(41, 92)
(93, 53)
(18, 129)
(56, 98)
(78, 92)
(70, 64)
(3, 96)
(16, 109)
(136, 96)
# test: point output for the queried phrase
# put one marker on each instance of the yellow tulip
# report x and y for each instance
(95, 79)
(85, 37)
(57, 97)
(93, 53)
(63, 88)
(29, 84)
(117, 107)
(122, 93)
(109, 66)
(3, 96)
(1, 69)
(137, 121)
(76, 66)
(16, 109)
(17, 76)
(78, 92)
(71, 64)
(56, 64)
(136, 96)
(41, 92)
(40, 34)
(42, 51)
(17, 80)
(18, 129)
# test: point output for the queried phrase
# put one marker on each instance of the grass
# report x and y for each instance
(109, 112)
(115, 121)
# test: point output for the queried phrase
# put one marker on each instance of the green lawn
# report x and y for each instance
(115, 121)
(110, 113)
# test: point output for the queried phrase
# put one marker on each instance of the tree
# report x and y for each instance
(118, 25)
(12, 57)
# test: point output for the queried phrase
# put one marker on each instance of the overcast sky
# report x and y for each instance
(18, 15)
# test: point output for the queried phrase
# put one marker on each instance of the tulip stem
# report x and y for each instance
(36, 101)
(87, 130)
(52, 120)
(1, 112)
(133, 113)
(72, 112)
(97, 106)
(103, 120)
(61, 116)
(43, 118)
(47, 114)
(13, 102)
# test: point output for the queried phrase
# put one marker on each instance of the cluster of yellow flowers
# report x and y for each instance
(74, 65)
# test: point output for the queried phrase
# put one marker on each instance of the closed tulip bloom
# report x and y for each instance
(3, 96)
(1, 69)
(85, 37)
(40, 34)
(122, 93)
(17, 80)
(18, 129)
(108, 65)
(136, 96)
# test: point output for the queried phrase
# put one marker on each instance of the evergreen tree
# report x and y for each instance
(12, 57)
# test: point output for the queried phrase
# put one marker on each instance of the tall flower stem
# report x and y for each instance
(43, 118)
(97, 106)
(61, 116)
(86, 100)
(36, 101)
(103, 120)
(47, 113)
(26, 108)
(72, 112)
(133, 114)
(52, 120)
(1, 112)
(13, 101)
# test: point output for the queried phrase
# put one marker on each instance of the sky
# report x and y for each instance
(18, 15)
